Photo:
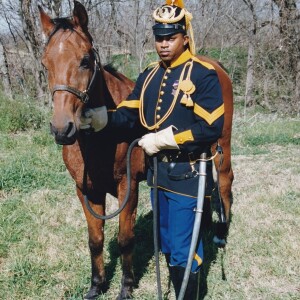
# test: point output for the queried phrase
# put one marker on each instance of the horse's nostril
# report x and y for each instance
(53, 130)
(70, 129)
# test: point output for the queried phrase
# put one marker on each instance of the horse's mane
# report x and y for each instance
(112, 70)
(223, 67)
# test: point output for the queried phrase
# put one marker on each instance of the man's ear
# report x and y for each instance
(186, 40)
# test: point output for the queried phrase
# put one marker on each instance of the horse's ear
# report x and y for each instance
(47, 24)
(80, 15)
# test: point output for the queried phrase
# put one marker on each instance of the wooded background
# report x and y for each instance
(258, 41)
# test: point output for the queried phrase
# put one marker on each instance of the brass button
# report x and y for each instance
(162, 92)
(163, 84)
(160, 100)
(158, 108)
(158, 117)
(169, 71)
(165, 77)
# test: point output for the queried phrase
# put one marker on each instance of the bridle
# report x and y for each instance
(83, 96)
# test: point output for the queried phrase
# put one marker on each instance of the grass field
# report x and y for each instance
(43, 236)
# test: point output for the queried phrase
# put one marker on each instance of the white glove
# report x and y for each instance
(95, 118)
(154, 142)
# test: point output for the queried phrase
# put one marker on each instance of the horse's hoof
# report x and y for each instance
(126, 293)
(220, 243)
(94, 293)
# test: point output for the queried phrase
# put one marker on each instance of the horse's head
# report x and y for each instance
(73, 71)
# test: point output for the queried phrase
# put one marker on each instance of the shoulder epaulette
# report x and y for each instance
(203, 63)
(151, 65)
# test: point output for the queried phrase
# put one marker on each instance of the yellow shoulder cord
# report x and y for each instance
(146, 83)
(188, 88)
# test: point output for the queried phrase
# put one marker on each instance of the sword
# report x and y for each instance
(197, 224)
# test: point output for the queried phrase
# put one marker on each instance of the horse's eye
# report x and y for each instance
(85, 62)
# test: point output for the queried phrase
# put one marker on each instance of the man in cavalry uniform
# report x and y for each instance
(178, 100)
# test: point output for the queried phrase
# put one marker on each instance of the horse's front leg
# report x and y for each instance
(126, 236)
(96, 241)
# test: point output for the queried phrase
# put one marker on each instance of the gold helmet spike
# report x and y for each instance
(178, 3)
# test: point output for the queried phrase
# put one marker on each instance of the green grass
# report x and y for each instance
(43, 235)
(21, 114)
(262, 134)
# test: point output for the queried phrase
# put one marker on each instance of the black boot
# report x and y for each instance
(175, 278)
(177, 274)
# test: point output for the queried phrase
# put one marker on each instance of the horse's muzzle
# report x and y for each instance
(66, 135)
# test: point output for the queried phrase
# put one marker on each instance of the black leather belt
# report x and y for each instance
(170, 156)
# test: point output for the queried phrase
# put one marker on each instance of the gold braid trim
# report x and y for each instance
(145, 85)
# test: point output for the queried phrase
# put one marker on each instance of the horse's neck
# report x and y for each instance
(117, 89)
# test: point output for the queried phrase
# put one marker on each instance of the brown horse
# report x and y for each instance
(78, 81)
(73, 67)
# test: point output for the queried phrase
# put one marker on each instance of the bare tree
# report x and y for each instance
(289, 30)
(32, 43)
(266, 30)
(54, 7)
(4, 71)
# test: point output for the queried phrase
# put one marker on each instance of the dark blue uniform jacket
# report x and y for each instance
(186, 95)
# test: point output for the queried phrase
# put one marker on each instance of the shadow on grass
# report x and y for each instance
(210, 248)
(144, 250)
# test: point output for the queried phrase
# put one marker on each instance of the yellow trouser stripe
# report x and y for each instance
(209, 117)
(198, 259)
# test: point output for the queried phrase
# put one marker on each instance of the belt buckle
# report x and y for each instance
(163, 157)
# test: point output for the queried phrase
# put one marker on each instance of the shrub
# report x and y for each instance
(20, 115)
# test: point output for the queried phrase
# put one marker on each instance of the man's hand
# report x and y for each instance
(95, 118)
(154, 142)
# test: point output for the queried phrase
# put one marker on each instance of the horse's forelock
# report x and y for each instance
(67, 24)
(63, 23)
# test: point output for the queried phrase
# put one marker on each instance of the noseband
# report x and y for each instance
(83, 96)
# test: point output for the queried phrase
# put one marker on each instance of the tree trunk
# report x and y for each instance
(290, 43)
(296, 100)
(4, 71)
(32, 46)
(249, 96)
(54, 7)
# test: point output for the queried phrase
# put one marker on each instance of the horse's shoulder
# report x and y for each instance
(204, 62)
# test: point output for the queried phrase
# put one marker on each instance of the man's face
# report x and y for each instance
(170, 47)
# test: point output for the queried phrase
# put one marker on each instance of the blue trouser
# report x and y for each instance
(176, 221)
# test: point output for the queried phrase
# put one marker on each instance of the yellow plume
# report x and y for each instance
(178, 3)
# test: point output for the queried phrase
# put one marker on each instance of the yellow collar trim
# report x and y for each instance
(184, 57)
